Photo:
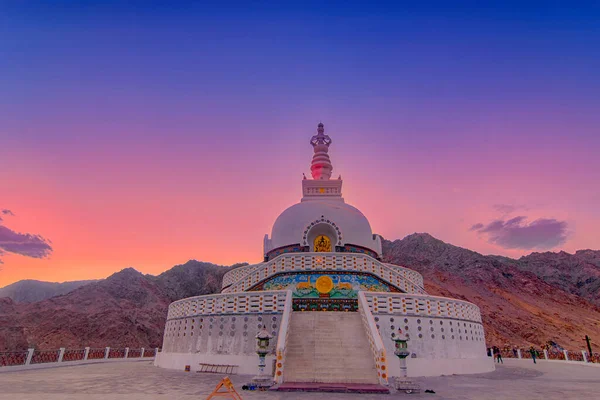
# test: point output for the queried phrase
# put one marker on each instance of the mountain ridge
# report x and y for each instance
(32, 290)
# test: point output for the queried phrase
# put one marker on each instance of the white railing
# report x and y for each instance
(374, 337)
(229, 303)
(236, 274)
(427, 306)
(281, 349)
(354, 262)
(62, 356)
(553, 355)
(410, 274)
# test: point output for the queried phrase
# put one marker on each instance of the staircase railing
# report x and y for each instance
(283, 337)
(374, 338)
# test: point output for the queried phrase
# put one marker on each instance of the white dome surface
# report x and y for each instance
(290, 226)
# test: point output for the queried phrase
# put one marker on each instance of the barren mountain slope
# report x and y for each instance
(517, 307)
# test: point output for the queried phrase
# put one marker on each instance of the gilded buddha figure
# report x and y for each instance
(322, 244)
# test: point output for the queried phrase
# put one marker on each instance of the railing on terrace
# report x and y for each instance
(240, 273)
(281, 349)
(236, 274)
(10, 358)
(148, 353)
(552, 354)
(374, 337)
(575, 355)
(229, 303)
(427, 306)
(45, 356)
(96, 354)
(410, 274)
(556, 355)
(57, 357)
(134, 353)
(117, 353)
(73, 355)
(351, 262)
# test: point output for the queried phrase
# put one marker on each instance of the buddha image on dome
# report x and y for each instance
(322, 244)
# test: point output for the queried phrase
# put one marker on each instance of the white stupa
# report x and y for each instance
(332, 306)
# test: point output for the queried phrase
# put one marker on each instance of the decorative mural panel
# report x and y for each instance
(296, 248)
(350, 248)
(324, 285)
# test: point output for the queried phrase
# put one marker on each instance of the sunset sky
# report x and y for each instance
(147, 134)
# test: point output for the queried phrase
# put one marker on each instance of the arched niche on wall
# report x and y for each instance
(319, 228)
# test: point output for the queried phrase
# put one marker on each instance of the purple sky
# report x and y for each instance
(146, 134)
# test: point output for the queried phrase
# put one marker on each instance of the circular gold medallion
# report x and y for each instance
(324, 284)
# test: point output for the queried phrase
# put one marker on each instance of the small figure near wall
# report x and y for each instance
(498, 355)
(533, 354)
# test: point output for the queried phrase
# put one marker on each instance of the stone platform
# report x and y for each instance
(516, 379)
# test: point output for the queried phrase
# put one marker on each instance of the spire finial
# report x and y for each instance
(321, 167)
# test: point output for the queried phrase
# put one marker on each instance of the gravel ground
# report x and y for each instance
(516, 379)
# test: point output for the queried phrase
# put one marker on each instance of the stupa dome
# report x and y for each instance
(343, 223)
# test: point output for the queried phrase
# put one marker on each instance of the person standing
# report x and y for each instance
(498, 355)
(533, 354)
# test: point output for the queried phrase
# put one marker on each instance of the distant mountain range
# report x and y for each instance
(539, 297)
(30, 291)
(125, 309)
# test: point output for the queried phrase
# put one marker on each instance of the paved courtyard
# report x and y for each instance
(516, 379)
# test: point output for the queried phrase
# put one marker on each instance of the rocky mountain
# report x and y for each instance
(30, 291)
(519, 305)
(127, 309)
(577, 273)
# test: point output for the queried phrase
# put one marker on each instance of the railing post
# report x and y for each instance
(519, 353)
(61, 354)
(126, 351)
(566, 355)
(106, 352)
(142, 353)
(545, 354)
(584, 353)
(29, 356)
(87, 352)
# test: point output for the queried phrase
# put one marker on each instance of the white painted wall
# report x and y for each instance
(219, 334)
(445, 346)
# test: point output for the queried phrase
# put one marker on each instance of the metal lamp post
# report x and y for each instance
(401, 351)
(262, 349)
(401, 339)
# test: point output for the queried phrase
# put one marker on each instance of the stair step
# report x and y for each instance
(329, 347)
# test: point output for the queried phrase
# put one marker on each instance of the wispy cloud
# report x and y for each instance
(25, 244)
(518, 233)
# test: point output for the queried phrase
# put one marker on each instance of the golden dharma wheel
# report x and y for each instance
(324, 284)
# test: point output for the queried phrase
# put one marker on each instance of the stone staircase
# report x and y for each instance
(330, 347)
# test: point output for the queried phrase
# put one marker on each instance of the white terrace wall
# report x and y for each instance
(220, 329)
(297, 262)
(446, 335)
